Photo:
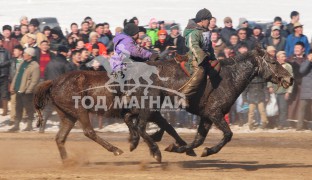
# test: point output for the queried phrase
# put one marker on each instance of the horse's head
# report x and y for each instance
(271, 70)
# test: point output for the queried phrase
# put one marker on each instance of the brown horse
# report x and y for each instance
(211, 102)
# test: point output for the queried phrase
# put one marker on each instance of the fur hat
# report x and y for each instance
(162, 32)
(30, 51)
(131, 29)
(34, 22)
(227, 20)
(174, 26)
(6, 27)
(142, 29)
(202, 14)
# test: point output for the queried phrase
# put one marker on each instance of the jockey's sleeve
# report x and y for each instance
(194, 39)
(136, 51)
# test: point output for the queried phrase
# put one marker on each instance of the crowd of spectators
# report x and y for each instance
(28, 56)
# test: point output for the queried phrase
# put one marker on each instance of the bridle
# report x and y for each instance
(261, 60)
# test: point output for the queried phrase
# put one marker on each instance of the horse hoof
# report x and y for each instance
(133, 145)
(191, 152)
(171, 148)
(157, 156)
(207, 152)
(118, 152)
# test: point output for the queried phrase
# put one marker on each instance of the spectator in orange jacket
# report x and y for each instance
(93, 39)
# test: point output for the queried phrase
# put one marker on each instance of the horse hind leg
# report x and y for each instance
(227, 136)
(91, 134)
(66, 124)
(154, 149)
(134, 137)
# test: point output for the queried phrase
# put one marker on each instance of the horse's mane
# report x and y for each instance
(241, 58)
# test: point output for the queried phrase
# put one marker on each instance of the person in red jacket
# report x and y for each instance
(93, 39)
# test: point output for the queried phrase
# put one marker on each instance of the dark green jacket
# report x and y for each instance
(198, 41)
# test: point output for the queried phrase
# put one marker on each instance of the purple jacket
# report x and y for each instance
(125, 47)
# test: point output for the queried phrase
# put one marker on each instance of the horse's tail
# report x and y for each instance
(41, 98)
(161, 78)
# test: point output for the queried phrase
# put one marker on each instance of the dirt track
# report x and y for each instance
(248, 156)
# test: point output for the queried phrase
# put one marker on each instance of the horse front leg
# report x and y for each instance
(163, 124)
(227, 136)
(202, 131)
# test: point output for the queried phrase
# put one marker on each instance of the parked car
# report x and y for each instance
(263, 24)
(48, 21)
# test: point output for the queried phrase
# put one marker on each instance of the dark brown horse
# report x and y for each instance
(211, 102)
(215, 97)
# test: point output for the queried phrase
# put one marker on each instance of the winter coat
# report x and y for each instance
(126, 46)
(250, 44)
(40, 38)
(4, 62)
(256, 91)
(226, 33)
(260, 40)
(292, 40)
(55, 43)
(152, 33)
(199, 43)
(13, 68)
(56, 67)
(306, 87)
(279, 47)
(162, 46)
(102, 48)
(104, 40)
(29, 79)
(9, 45)
(179, 42)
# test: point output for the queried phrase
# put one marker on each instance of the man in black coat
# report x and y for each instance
(58, 65)
(4, 76)
(228, 30)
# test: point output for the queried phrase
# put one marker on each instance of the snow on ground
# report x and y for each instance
(115, 11)
(53, 126)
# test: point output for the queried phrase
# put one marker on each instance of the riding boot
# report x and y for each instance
(16, 126)
(5, 107)
(29, 126)
(191, 86)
